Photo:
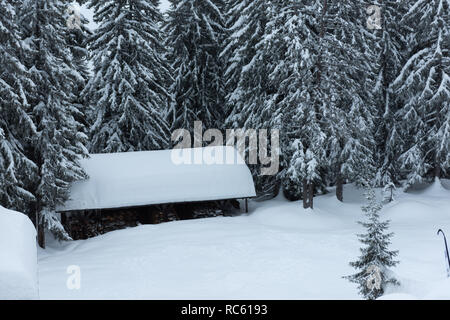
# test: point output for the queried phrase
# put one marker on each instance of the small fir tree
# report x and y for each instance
(373, 265)
(389, 192)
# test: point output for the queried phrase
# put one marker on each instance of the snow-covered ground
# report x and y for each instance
(278, 251)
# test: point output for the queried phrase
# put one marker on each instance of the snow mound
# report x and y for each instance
(436, 189)
(18, 256)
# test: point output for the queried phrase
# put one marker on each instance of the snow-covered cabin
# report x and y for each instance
(149, 178)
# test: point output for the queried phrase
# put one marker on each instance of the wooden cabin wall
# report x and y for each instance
(91, 223)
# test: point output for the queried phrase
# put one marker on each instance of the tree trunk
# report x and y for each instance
(339, 188)
(311, 195)
(305, 194)
(437, 170)
(321, 35)
(39, 226)
(41, 236)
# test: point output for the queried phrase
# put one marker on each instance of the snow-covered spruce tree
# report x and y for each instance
(424, 86)
(129, 87)
(389, 192)
(195, 35)
(349, 112)
(373, 265)
(246, 24)
(301, 93)
(77, 38)
(58, 143)
(248, 62)
(389, 43)
(15, 123)
(320, 100)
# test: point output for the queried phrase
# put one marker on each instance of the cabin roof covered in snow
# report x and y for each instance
(134, 179)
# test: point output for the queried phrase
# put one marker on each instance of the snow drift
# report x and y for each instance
(18, 256)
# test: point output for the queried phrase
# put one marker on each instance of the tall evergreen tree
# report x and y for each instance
(58, 143)
(195, 38)
(424, 84)
(77, 40)
(248, 86)
(390, 43)
(350, 112)
(321, 98)
(15, 123)
(129, 87)
(294, 36)
(246, 26)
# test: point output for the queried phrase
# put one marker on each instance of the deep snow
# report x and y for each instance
(278, 251)
(18, 256)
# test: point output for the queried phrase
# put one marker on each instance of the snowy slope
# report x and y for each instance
(155, 177)
(278, 251)
(18, 262)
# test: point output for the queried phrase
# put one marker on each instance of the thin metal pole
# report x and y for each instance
(446, 252)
